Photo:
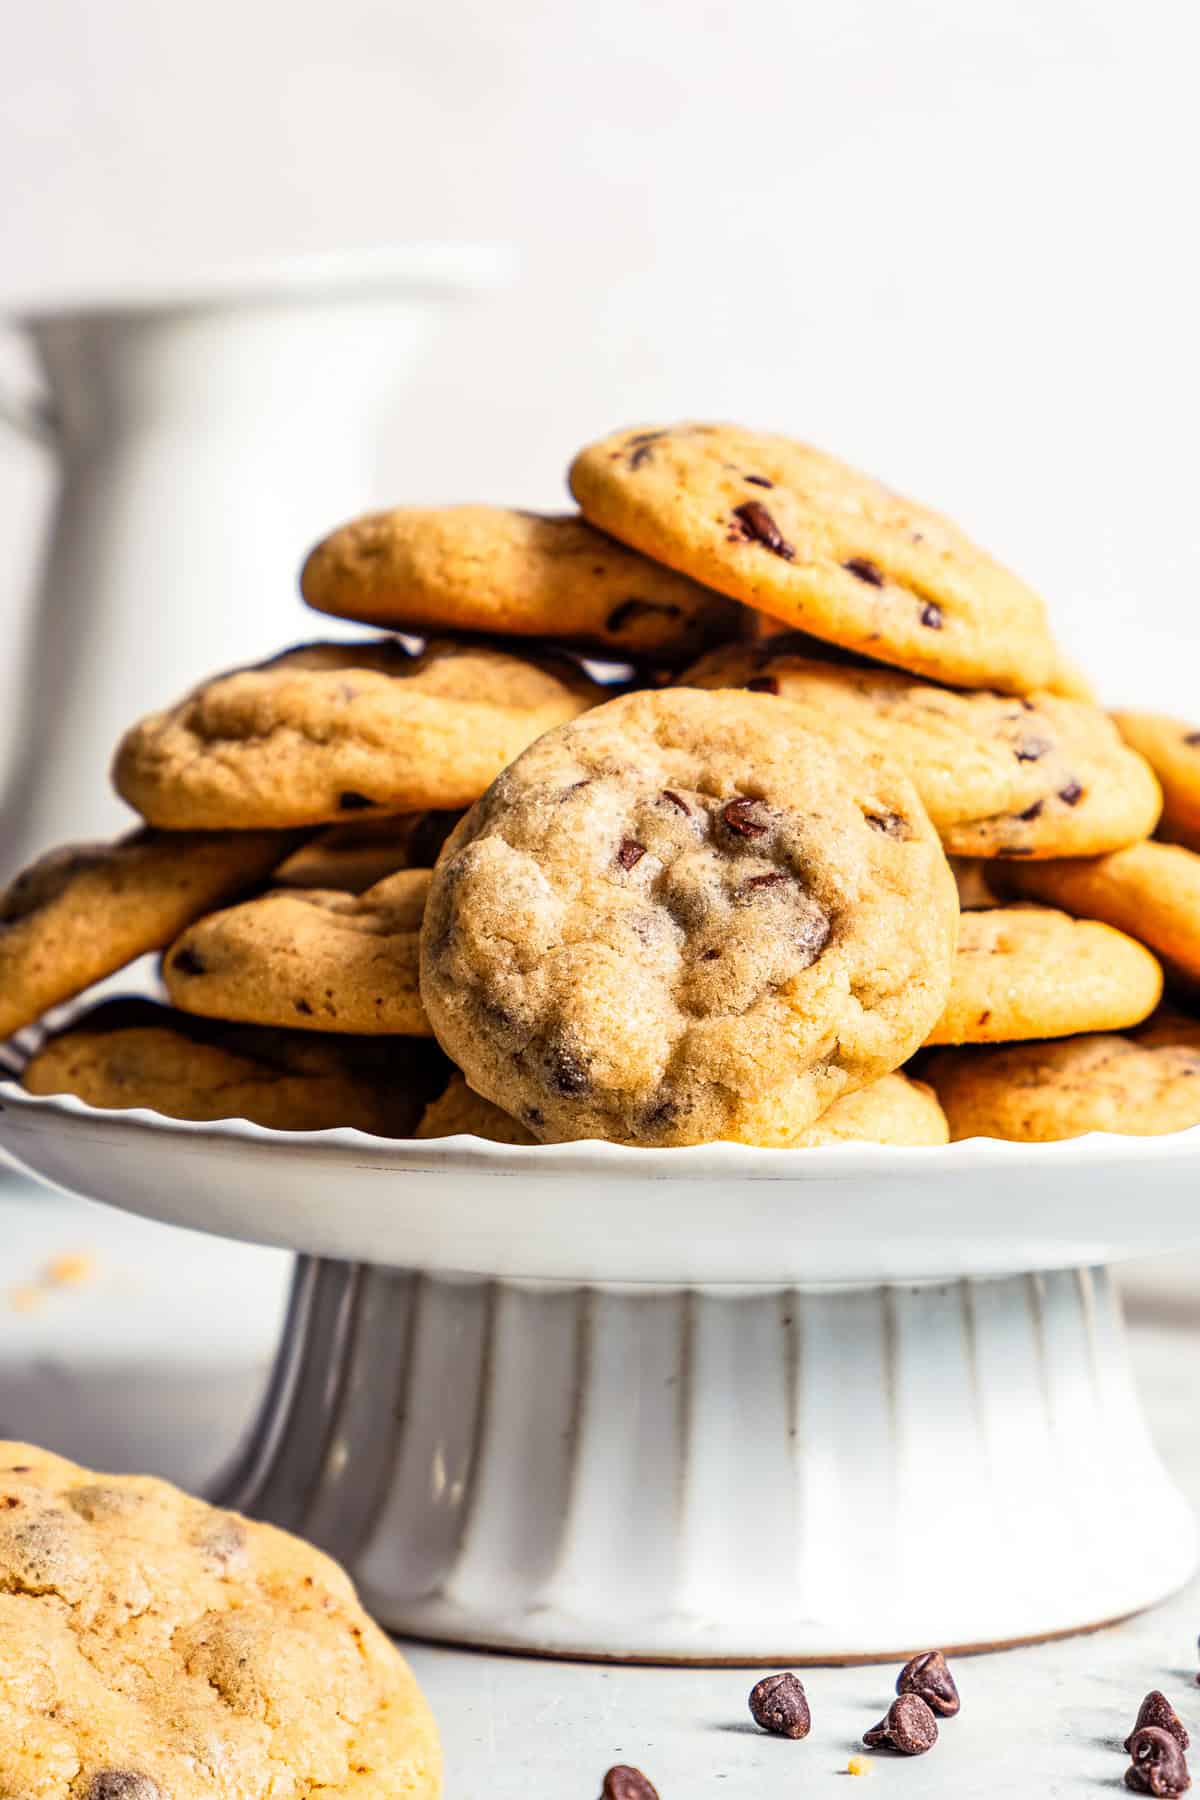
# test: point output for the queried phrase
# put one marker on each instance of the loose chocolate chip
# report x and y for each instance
(739, 816)
(186, 962)
(624, 1783)
(302, 1006)
(932, 616)
(1192, 740)
(760, 481)
(779, 1704)
(929, 1676)
(122, 1784)
(1032, 812)
(630, 853)
(1156, 1709)
(349, 801)
(776, 879)
(758, 526)
(866, 570)
(763, 684)
(1032, 749)
(908, 1727)
(1072, 794)
(629, 611)
(677, 801)
(892, 824)
(1157, 1764)
(566, 1072)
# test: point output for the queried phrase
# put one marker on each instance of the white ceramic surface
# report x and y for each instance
(206, 433)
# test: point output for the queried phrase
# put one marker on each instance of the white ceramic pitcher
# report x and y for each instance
(204, 437)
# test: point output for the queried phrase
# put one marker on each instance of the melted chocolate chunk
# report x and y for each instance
(759, 481)
(740, 817)
(1032, 749)
(757, 526)
(186, 962)
(1013, 850)
(779, 1704)
(776, 879)
(631, 610)
(640, 447)
(122, 1784)
(566, 1073)
(932, 616)
(630, 853)
(677, 801)
(1032, 812)
(865, 570)
(1072, 794)
(892, 824)
(304, 1008)
(350, 801)
(763, 684)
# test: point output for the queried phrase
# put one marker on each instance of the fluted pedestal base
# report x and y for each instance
(716, 1473)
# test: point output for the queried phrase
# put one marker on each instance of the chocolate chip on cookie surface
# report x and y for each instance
(317, 960)
(155, 1648)
(85, 911)
(793, 532)
(327, 731)
(999, 776)
(687, 917)
(491, 569)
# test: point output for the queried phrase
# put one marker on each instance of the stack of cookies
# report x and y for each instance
(751, 802)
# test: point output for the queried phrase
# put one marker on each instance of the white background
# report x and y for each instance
(954, 240)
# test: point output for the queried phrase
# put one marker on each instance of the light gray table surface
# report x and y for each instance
(155, 1359)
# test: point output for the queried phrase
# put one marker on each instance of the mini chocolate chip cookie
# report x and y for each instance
(155, 1648)
(1143, 1085)
(85, 911)
(1151, 891)
(310, 958)
(134, 1052)
(354, 857)
(489, 569)
(328, 731)
(1031, 972)
(1000, 777)
(686, 917)
(797, 534)
(1172, 748)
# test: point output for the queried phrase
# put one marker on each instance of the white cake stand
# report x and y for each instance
(715, 1404)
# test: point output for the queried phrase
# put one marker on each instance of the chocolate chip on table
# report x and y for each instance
(866, 570)
(625, 1783)
(929, 1676)
(779, 1704)
(1072, 794)
(763, 684)
(932, 616)
(739, 816)
(1157, 1764)
(909, 1727)
(186, 962)
(1156, 1709)
(630, 853)
(757, 526)
(350, 801)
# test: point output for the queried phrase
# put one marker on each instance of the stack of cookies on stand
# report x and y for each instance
(750, 802)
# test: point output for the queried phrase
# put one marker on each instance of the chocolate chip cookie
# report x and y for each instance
(1000, 776)
(328, 731)
(490, 569)
(1172, 748)
(354, 857)
(155, 1648)
(797, 534)
(686, 917)
(134, 1052)
(1031, 972)
(460, 1110)
(315, 959)
(1142, 1085)
(85, 911)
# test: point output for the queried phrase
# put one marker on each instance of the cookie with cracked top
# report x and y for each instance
(686, 917)
(137, 1053)
(1172, 748)
(1144, 1083)
(153, 1647)
(85, 911)
(491, 569)
(1000, 776)
(1032, 972)
(313, 959)
(326, 732)
(793, 532)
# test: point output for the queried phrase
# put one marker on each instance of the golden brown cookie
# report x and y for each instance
(1000, 777)
(355, 857)
(893, 1110)
(314, 959)
(155, 1648)
(328, 731)
(459, 1109)
(490, 569)
(797, 534)
(1172, 748)
(133, 1052)
(1151, 891)
(1032, 972)
(85, 911)
(687, 917)
(1036, 1093)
